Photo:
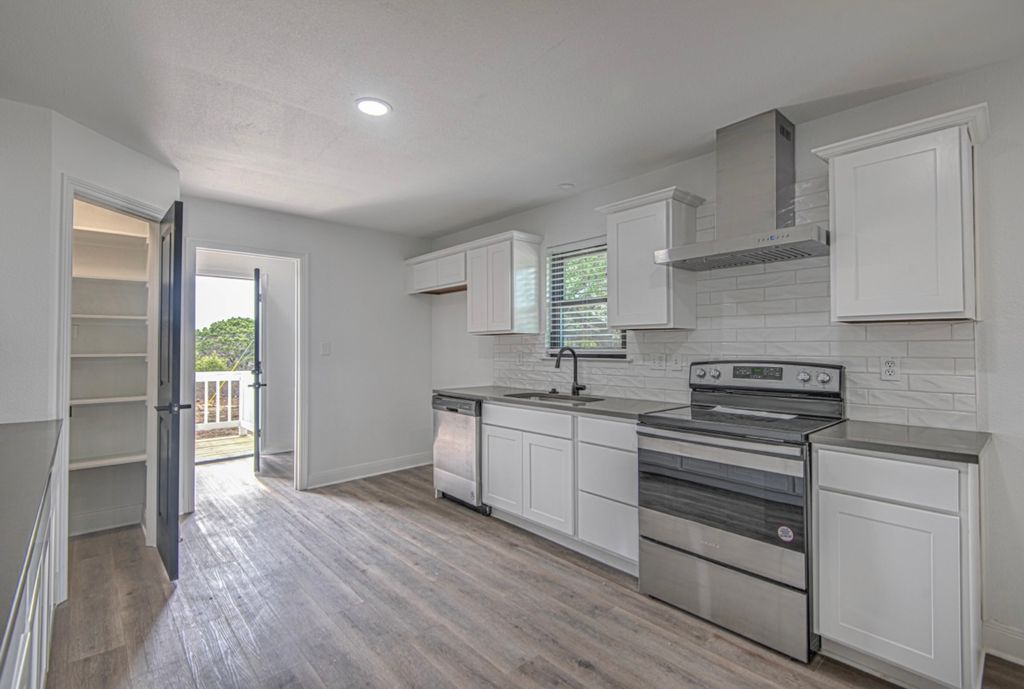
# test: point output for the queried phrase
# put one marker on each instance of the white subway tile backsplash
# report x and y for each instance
(813, 304)
(963, 421)
(952, 348)
(910, 399)
(937, 383)
(778, 310)
(807, 289)
(766, 307)
(766, 279)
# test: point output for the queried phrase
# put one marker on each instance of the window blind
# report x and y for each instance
(578, 302)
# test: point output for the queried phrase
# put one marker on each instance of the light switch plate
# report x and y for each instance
(891, 368)
(325, 349)
(658, 362)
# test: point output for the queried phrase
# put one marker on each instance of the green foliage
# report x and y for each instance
(227, 343)
(210, 362)
(579, 308)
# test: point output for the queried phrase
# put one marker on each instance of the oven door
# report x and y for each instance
(737, 502)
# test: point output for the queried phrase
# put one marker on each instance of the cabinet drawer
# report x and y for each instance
(451, 270)
(927, 486)
(607, 472)
(530, 420)
(609, 525)
(611, 433)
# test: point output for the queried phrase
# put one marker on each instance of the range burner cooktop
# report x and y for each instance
(779, 401)
(720, 421)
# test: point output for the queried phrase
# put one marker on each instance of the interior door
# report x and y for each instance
(168, 393)
(257, 370)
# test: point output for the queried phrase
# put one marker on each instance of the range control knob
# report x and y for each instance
(824, 378)
(803, 376)
(716, 374)
(700, 373)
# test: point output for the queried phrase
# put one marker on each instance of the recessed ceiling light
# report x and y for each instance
(566, 186)
(374, 107)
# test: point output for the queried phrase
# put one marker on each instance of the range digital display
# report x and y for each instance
(757, 372)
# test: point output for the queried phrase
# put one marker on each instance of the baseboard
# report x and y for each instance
(566, 541)
(101, 520)
(1004, 641)
(367, 469)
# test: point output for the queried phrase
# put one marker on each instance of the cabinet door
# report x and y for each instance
(503, 468)
(638, 290)
(889, 583)
(451, 270)
(423, 276)
(477, 290)
(547, 481)
(499, 281)
(899, 229)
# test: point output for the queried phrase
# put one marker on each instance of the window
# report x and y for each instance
(578, 303)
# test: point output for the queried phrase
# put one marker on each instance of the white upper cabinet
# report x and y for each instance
(501, 276)
(642, 294)
(503, 283)
(436, 275)
(902, 220)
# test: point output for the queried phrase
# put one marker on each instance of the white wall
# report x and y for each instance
(280, 319)
(1000, 225)
(368, 405)
(458, 358)
(28, 265)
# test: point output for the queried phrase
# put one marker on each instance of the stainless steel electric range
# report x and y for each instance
(723, 494)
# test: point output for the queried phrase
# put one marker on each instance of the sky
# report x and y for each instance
(220, 298)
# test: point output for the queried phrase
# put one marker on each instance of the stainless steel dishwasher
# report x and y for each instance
(457, 450)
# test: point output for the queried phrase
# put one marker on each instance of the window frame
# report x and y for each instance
(592, 245)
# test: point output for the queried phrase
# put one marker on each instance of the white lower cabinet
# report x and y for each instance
(547, 481)
(535, 466)
(889, 582)
(897, 574)
(502, 458)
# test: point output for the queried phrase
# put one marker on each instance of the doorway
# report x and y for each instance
(245, 331)
(225, 339)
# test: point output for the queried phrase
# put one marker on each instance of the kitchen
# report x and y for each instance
(757, 404)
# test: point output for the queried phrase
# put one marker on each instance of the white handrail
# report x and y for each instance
(223, 400)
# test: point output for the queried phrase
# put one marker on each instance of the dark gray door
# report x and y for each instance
(168, 393)
(257, 371)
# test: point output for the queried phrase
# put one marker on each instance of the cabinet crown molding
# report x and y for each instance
(974, 117)
(673, 193)
(515, 235)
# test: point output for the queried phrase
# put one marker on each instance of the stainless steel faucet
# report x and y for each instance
(576, 387)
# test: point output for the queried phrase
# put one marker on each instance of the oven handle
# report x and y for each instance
(771, 463)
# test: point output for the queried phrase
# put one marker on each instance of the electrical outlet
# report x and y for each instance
(658, 362)
(325, 349)
(890, 368)
(675, 362)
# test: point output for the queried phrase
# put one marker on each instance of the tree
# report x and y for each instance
(210, 362)
(227, 342)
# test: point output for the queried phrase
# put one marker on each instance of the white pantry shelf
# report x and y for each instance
(111, 355)
(106, 317)
(142, 282)
(86, 401)
(106, 461)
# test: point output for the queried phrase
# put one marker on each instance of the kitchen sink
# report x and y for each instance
(554, 397)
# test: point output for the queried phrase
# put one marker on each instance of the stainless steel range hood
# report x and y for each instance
(755, 211)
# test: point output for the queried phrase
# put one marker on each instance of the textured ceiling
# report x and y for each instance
(496, 102)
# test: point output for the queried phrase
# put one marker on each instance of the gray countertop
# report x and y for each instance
(618, 407)
(27, 451)
(916, 441)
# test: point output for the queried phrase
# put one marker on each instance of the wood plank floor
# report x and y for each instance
(374, 583)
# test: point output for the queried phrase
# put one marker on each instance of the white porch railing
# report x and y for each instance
(223, 400)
